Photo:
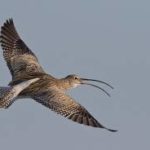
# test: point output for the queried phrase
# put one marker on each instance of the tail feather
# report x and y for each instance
(6, 96)
(9, 94)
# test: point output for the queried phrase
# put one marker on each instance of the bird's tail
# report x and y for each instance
(9, 94)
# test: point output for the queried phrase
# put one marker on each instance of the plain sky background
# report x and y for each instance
(101, 39)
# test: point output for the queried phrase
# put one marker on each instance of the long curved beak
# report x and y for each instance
(83, 81)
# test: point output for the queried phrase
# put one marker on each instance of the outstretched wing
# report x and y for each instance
(20, 59)
(67, 107)
(9, 94)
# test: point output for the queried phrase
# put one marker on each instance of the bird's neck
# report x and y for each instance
(64, 84)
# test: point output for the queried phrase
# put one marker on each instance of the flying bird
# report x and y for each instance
(45, 89)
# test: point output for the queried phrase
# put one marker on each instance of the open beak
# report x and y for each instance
(83, 81)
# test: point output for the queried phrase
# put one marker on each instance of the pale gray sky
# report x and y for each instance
(106, 40)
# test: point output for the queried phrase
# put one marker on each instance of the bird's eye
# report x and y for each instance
(76, 78)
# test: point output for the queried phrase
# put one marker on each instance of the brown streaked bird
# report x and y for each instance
(48, 90)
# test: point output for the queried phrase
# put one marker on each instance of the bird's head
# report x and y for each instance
(75, 80)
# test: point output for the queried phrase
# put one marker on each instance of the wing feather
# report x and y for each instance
(64, 105)
(19, 58)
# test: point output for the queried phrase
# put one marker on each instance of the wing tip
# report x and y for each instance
(8, 22)
(88, 121)
(111, 130)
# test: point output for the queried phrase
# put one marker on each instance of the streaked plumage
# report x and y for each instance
(10, 93)
(20, 59)
(48, 90)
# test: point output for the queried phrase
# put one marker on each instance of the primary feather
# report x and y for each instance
(19, 58)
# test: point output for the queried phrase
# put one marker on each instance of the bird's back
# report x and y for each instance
(45, 81)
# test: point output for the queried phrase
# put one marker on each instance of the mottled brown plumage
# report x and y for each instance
(48, 90)
(20, 59)
(9, 94)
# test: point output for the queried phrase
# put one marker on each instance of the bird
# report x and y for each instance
(47, 90)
